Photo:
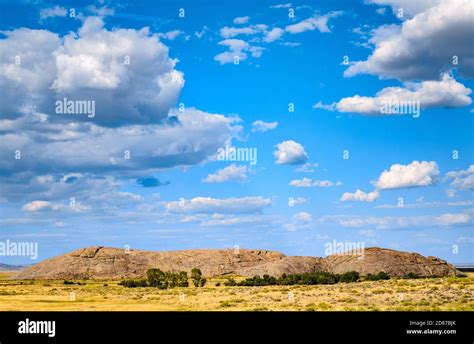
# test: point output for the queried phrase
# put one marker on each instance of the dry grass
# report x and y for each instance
(442, 294)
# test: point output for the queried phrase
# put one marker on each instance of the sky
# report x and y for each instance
(120, 124)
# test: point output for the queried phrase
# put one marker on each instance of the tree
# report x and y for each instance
(156, 278)
(196, 276)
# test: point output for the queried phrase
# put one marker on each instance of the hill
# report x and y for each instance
(99, 262)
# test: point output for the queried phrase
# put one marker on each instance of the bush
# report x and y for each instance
(230, 283)
(377, 277)
(68, 282)
(351, 276)
(156, 278)
(134, 283)
(411, 275)
(196, 276)
(218, 284)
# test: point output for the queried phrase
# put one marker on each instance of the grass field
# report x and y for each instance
(441, 294)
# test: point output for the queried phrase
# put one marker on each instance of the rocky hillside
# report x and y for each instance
(111, 263)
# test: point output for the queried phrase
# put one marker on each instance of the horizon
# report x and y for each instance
(277, 125)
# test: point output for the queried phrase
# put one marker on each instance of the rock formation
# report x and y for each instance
(112, 263)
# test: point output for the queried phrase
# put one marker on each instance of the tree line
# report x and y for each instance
(166, 280)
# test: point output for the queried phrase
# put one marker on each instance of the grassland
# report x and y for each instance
(440, 294)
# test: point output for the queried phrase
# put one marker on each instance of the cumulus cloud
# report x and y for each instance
(319, 22)
(415, 174)
(308, 183)
(40, 206)
(406, 100)
(230, 32)
(359, 196)
(423, 47)
(307, 168)
(463, 179)
(232, 173)
(273, 35)
(208, 205)
(261, 126)
(142, 91)
(170, 35)
(302, 217)
(74, 147)
(237, 49)
(241, 20)
(290, 153)
(412, 175)
(410, 8)
(52, 12)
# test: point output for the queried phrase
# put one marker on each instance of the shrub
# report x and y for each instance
(68, 282)
(134, 283)
(156, 278)
(351, 276)
(230, 282)
(218, 284)
(377, 277)
(411, 275)
(196, 276)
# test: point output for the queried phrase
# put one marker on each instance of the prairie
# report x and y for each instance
(431, 294)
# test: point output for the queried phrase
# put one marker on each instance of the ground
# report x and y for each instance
(443, 294)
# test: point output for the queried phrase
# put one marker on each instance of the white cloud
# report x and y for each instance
(170, 35)
(402, 100)
(261, 126)
(329, 107)
(396, 222)
(454, 219)
(286, 5)
(359, 196)
(230, 32)
(409, 7)
(35, 206)
(241, 20)
(308, 183)
(290, 153)
(298, 201)
(291, 44)
(52, 12)
(232, 173)
(422, 47)
(72, 147)
(302, 217)
(208, 205)
(463, 179)
(319, 22)
(412, 175)
(200, 34)
(273, 35)
(101, 11)
(307, 168)
(73, 67)
(237, 49)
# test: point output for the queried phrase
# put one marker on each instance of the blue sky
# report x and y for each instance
(406, 184)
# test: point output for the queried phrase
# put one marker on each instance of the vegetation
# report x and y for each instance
(397, 294)
(134, 283)
(308, 278)
(377, 277)
(196, 276)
